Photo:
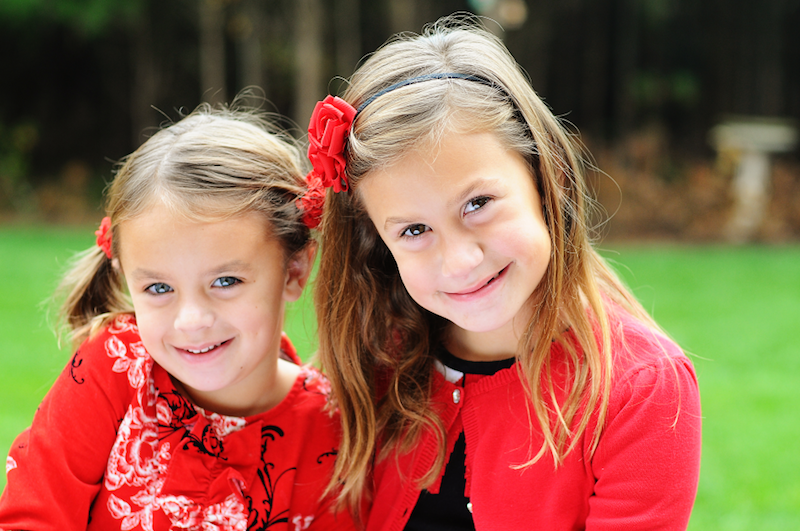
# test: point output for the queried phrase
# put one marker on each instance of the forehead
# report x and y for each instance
(160, 229)
(446, 171)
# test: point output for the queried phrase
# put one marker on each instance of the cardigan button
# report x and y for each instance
(469, 507)
(457, 396)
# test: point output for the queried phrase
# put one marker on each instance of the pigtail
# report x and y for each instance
(92, 291)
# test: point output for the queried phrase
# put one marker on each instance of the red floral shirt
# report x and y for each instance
(115, 446)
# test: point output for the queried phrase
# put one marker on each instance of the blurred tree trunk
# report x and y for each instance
(145, 78)
(250, 29)
(533, 45)
(309, 87)
(347, 22)
(769, 39)
(626, 52)
(596, 66)
(212, 51)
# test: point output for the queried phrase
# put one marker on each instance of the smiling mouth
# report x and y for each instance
(207, 349)
(488, 282)
(496, 276)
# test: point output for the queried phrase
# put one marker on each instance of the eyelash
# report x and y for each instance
(154, 289)
(410, 228)
(478, 203)
(233, 283)
(481, 201)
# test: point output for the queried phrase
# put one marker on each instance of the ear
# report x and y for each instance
(298, 269)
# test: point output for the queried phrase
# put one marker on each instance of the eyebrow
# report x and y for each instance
(144, 273)
(396, 221)
(232, 265)
(463, 196)
(222, 268)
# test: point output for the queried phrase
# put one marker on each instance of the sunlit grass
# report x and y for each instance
(734, 309)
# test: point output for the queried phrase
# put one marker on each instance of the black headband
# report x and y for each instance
(428, 77)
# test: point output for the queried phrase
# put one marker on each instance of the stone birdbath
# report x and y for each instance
(754, 140)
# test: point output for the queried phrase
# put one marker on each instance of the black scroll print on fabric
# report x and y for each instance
(311, 378)
(208, 443)
(333, 453)
(182, 412)
(267, 515)
(74, 365)
(181, 419)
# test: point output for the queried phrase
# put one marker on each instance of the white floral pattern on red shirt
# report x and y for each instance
(10, 464)
(136, 459)
(114, 445)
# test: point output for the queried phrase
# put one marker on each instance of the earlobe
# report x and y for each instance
(298, 271)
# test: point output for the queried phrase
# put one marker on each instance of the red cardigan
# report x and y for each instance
(643, 474)
(115, 446)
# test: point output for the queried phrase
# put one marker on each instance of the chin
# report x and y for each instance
(478, 327)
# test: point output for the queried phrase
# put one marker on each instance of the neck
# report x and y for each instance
(498, 344)
(247, 398)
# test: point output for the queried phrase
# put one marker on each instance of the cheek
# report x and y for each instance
(151, 323)
(416, 278)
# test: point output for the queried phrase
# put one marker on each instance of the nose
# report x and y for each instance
(193, 315)
(461, 254)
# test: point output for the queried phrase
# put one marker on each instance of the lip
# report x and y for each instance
(203, 351)
(482, 288)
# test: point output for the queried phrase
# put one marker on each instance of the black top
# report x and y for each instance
(447, 510)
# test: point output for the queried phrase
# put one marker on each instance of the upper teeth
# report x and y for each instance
(203, 351)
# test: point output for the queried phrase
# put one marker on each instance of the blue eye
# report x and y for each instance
(476, 204)
(159, 288)
(415, 230)
(225, 282)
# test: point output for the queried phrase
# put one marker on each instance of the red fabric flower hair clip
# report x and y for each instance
(104, 237)
(327, 137)
(313, 201)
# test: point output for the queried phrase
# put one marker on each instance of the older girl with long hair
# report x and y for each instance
(491, 370)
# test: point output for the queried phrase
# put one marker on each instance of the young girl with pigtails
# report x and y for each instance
(184, 407)
(490, 369)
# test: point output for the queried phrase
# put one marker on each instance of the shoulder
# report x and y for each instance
(649, 453)
(314, 384)
(288, 351)
(649, 368)
(637, 346)
(121, 331)
(115, 348)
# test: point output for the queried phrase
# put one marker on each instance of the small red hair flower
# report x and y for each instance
(104, 236)
(327, 135)
(313, 201)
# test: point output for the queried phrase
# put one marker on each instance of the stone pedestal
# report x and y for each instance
(753, 140)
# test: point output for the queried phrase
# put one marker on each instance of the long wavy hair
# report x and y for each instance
(214, 164)
(376, 343)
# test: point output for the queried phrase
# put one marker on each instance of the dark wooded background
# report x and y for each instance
(642, 80)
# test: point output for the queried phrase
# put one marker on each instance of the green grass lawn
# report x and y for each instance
(733, 309)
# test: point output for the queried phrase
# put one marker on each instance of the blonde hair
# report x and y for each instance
(376, 343)
(214, 164)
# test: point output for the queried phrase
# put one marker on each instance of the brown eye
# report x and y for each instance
(475, 204)
(415, 230)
